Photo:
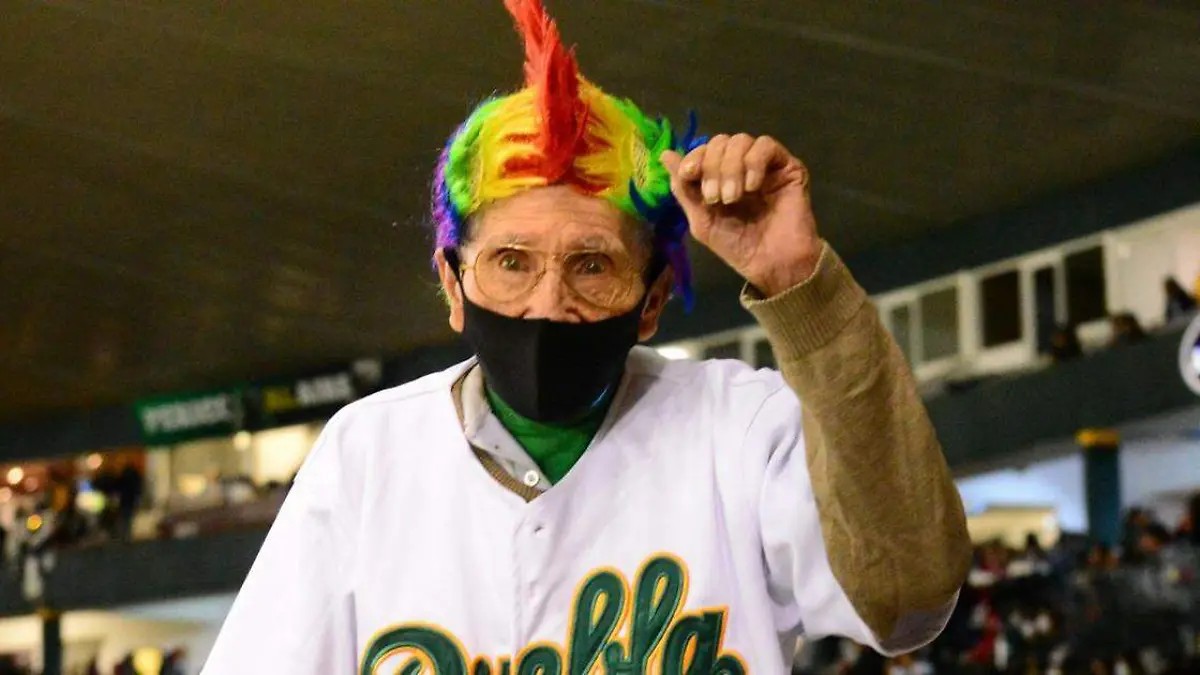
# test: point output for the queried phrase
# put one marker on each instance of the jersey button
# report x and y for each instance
(532, 478)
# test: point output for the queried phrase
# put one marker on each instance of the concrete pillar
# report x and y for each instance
(52, 646)
(1102, 483)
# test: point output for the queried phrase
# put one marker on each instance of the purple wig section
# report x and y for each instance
(447, 223)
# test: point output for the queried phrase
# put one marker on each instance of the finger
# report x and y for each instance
(766, 154)
(710, 183)
(688, 193)
(733, 168)
(690, 169)
(671, 160)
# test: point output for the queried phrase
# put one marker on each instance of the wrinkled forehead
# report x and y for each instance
(557, 218)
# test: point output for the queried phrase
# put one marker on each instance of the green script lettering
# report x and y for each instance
(439, 649)
(540, 661)
(704, 634)
(591, 632)
(690, 644)
(652, 614)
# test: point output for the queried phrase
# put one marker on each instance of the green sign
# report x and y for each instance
(175, 419)
(314, 396)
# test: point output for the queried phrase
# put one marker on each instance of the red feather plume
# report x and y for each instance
(552, 71)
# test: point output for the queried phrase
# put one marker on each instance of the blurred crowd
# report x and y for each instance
(1124, 328)
(171, 662)
(68, 509)
(104, 513)
(1079, 608)
(61, 514)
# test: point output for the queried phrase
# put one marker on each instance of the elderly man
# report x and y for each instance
(567, 502)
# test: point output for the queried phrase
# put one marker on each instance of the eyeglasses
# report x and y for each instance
(507, 273)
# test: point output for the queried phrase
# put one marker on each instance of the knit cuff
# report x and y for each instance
(807, 316)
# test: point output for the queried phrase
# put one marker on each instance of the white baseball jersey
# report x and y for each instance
(686, 538)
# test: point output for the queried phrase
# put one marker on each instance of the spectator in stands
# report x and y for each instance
(1152, 540)
(1179, 302)
(129, 488)
(1064, 344)
(105, 482)
(70, 523)
(907, 664)
(1101, 558)
(173, 663)
(1137, 521)
(126, 667)
(1126, 330)
(14, 544)
(1159, 601)
(1137, 616)
(9, 666)
(1189, 526)
(1033, 560)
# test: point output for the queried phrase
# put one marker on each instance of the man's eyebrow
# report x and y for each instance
(510, 239)
(597, 242)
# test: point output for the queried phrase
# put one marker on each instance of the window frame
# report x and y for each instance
(911, 296)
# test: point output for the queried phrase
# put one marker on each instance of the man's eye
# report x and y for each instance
(511, 260)
(592, 264)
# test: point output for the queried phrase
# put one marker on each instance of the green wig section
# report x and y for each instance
(459, 174)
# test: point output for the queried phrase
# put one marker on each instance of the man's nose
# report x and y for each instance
(551, 299)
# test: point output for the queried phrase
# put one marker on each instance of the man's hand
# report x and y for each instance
(746, 199)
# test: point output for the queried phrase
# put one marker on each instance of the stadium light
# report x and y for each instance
(675, 352)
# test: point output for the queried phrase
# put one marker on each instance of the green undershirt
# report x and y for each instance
(554, 448)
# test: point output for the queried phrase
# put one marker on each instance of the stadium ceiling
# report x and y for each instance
(193, 193)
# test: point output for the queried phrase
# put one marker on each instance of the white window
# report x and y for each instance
(901, 323)
(764, 357)
(1142, 256)
(1000, 309)
(940, 337)
(1086, 297)
(925, 322)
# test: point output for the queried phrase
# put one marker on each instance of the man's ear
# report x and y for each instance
(451, 290)
(656, 302)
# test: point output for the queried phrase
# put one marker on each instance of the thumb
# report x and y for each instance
(671, 160)
(686, 192)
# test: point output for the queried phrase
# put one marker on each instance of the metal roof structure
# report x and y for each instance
(199, 192)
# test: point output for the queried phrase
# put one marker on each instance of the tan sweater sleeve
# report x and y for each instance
(891, 516)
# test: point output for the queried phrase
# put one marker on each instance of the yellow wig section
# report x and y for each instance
(502, 134)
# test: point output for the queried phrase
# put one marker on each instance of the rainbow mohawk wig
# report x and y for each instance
(562, 130)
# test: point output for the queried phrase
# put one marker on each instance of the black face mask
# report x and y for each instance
(549, 371)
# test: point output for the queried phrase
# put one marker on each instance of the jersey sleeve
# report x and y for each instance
(807, 596)
(294, 613)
